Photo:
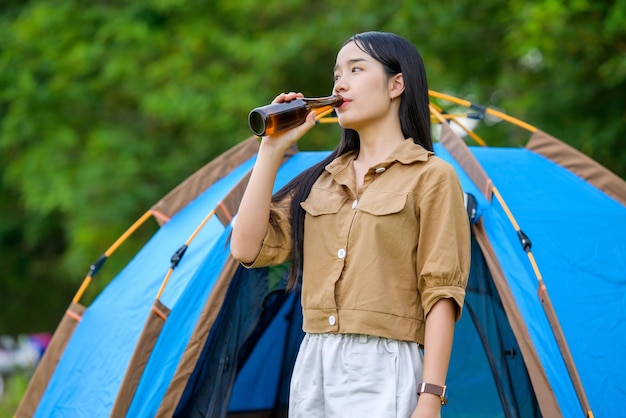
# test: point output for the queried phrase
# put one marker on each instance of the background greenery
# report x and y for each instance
(107, 105)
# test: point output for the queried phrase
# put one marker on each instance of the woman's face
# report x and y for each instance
(364, 86)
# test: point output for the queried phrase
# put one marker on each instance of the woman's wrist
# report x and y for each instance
(271, 152)
(429, 402)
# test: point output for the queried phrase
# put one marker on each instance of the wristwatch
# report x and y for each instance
(441, 391)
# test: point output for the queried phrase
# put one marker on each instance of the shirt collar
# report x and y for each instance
(408, 152)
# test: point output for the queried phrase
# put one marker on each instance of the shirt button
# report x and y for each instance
(380, 169)
(331, 320)
(354, 204)
(341, 253)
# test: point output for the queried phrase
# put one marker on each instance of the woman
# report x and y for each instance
(378, 234)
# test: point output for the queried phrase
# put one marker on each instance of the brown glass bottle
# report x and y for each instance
(276, 117)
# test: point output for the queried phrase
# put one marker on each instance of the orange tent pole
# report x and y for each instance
(95, 267)
(489, 110)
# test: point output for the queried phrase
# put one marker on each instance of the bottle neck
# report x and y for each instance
(334, 101)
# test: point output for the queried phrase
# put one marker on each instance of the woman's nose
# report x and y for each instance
(340, 86)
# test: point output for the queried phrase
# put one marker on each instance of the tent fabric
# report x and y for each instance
(473, 174)
(206, 176)
(203, 178)
(272, 356)
(143, 349)
(218, 360)
(537, 374)
(115, 319)
(577, 233)
(249, 308)
(578, 163)
(160, 371)
(192, 352)
(498, 372)
(228, 343)
(456, 150)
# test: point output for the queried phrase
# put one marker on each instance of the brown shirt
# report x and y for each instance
(375, 263)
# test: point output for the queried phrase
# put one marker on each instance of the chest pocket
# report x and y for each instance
(322, 202)
(381, 203)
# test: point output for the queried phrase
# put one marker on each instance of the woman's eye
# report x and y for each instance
(336, 77)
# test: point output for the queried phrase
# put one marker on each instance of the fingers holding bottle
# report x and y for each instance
(285, 121)
(287, 97)
(291, 118)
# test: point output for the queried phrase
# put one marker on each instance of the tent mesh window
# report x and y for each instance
(487, 367)
(249, 354)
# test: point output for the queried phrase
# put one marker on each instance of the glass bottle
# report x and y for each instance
(276, 117)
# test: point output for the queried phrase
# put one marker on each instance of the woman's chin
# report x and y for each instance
(346, 122)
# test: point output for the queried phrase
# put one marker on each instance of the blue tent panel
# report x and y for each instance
(258, 383)
(95, 360)
(487, 373)
(577, 234)
(578, 241)
(178, 328)
(466, 183)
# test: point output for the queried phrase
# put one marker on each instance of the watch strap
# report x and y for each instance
(441, 391)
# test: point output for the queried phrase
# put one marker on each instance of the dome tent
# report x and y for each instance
(540, 335)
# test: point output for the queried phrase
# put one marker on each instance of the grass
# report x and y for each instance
(14, 388)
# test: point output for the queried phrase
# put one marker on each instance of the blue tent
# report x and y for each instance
(541, 334)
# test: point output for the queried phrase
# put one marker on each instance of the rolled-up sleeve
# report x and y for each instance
(443, 251)
(276, 248)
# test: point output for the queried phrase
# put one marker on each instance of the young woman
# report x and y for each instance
(378, 237)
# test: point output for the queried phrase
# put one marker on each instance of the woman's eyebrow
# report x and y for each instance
(350, 62)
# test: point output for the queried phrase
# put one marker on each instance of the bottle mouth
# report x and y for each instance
(257, 123)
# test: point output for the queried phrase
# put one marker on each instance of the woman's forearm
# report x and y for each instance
(437, 348)
(252, 219)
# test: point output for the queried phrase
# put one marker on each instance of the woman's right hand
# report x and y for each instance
(254, 211)
(285, 139)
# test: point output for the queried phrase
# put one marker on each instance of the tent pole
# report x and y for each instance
(181, 251)
(441, 117)
(488, 110)
(95, 267)
(542, 291)
(548, 308)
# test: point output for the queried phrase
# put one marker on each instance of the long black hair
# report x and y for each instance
(397, 55)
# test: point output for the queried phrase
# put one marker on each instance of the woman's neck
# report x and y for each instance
(376, 145)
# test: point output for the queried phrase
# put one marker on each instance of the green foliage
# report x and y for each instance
(106, 106)
(575, 84)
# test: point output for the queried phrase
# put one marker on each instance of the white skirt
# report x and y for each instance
(346, 375)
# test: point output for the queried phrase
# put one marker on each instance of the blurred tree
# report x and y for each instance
(570, 69)
(561, 66)
(106, 106)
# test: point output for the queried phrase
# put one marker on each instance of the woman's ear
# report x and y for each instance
(396, 85)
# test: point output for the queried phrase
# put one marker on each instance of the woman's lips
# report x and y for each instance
(345, 103)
